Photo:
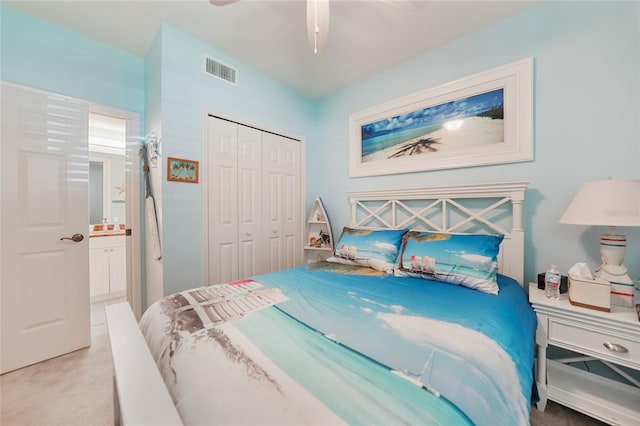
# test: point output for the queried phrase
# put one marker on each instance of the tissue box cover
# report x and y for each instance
(563, 282)
(592, 294)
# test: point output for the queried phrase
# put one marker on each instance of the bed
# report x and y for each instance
(419, 318)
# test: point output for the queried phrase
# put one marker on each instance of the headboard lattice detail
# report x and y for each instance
(420, 216)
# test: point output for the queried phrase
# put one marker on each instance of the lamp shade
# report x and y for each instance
(605, 203)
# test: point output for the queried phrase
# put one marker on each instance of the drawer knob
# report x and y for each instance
(615, 347)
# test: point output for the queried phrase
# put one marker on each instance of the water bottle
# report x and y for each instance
(552, 283)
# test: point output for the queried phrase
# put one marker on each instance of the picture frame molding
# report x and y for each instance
(517, 81)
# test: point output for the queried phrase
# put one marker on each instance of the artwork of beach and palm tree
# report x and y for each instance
(459, 124)
(181, 170)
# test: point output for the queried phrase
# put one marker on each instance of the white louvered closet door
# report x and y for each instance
(281, 171)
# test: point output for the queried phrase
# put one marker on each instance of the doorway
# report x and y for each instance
(114, 143)
(107, 212)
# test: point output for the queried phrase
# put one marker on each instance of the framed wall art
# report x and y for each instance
(479, 120)
(181, 170)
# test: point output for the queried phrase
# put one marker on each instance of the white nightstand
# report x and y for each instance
(612, 337)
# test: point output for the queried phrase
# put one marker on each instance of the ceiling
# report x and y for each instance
(365, 36)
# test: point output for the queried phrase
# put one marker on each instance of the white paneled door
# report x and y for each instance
(235, 200)
(254, 201)
(223, 209)
(281, 201)
(250, 260)
(44, 250)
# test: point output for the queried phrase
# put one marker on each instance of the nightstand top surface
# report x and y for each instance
(618, 313)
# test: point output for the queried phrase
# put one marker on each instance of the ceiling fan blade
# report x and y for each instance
(222, 2)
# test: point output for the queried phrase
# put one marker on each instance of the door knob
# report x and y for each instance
(76, 238)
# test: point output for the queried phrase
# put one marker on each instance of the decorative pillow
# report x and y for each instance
(375, 249)
(470, 260)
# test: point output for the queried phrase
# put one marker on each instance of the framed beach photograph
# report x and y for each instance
(479, 120)
(181, 170)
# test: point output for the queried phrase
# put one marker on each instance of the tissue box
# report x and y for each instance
(563, 282)
(592, 294)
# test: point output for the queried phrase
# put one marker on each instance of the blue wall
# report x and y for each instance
(186, 90)
(586, 120)
(37, 54)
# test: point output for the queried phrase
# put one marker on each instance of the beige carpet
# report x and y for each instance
(76, 389)
(73, 389)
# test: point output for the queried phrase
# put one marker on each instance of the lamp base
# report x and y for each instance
(614, 274)
(612, 249)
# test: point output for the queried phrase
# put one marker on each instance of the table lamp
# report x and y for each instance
(609, 203)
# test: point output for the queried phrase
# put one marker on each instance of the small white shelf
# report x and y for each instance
(318, 248)
(601, 398)
(318, 243)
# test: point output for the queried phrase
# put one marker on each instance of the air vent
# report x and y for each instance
(220, 70)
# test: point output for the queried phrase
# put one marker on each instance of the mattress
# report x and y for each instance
(337, 344)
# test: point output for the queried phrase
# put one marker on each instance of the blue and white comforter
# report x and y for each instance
(350, 348)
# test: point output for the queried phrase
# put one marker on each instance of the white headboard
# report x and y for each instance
(494, 208)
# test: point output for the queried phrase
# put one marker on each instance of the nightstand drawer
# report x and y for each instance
(623, 349)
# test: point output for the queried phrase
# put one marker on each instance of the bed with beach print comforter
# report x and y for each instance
(337, 344)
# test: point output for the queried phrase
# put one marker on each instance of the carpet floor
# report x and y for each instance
(76, 389)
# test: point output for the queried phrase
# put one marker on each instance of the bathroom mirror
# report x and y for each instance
(99, 196)
(107, 136)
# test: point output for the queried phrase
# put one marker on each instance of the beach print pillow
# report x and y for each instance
(470, 260)
(375, 249)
